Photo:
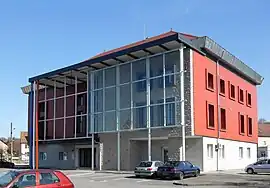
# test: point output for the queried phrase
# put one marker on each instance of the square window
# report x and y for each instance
(250, 127)
(211, 116)
(223, 118)
(248, 153)
(222, 152)
(222, 86)
(249, 99)
(210, 151)
(209, 81)
(232, 91)
(241, 152)
(240, 95)
(242, 123)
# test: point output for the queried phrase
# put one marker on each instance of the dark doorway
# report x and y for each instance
(85, 157)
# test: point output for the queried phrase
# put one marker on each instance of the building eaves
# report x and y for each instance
(214, 49)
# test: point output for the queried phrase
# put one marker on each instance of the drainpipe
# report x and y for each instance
(218, 111)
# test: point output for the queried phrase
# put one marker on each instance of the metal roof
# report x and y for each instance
(203, 45)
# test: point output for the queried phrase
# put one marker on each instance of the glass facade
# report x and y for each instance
(124, 94)
(127, 96)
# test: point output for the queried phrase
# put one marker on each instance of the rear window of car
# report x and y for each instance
(172, 163)
(145, 164)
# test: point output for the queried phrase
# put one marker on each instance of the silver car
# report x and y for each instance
(262, 166)
(147, 168)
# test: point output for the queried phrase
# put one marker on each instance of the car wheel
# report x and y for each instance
(154, 175)
(197, 173)
(250, 171)
(181, 175)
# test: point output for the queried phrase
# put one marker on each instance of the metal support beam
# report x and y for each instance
(116, 59)
(34, 125)
(91, 105)
(31, 125)
(182, 90)
(164, 47)
(132, 56)
(103, 63)
(148, 108)
(36, 128)
(118, 118)
(148, 51)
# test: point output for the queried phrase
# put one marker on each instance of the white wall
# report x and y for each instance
(263, 141)
(231, 158)
(24, 151)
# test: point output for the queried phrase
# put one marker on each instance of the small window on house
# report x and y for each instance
(248, 153)
(223, 118)
(222, 86)
(241, 123)
(210, 151)
(241, 95)
(241, 152)
(211, 116)
(232, 91)
(42, 156)
(248, 99)
(250, 131)
(222, 152)
(62, 156)
(210, 81)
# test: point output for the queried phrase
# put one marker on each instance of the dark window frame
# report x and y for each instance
(223, 120)
(241, 123)
(222, 87)
(210, 120)
(248, 99)
(241, 95)
(249, 126)
(232, 91)
(210, 81)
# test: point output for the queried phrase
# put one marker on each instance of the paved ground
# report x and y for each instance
(212, 180)
(86, 179)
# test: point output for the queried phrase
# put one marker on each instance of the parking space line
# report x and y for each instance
(81, 174)
(108, 176)
(144, 180)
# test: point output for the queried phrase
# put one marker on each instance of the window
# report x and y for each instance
(249, 99)
(250, 131)
(170, 112)
(42, 156)
(141, 85)
(25, 146)
(209, 81)
(232, 91)
(241, 152)
(223, 118)
(222, 152)
(211, 115)
(63, 156)
(210, 151)
(248, 153)
(222, 86)
(48, 178)
(242, 123)
(240, 95)
(26, 180)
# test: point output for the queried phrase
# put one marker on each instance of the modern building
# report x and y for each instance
(24, 147)
(264, 140)
(170, 97)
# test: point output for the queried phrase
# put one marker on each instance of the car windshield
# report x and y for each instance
(7, 177)
(172, 163)
(145, 164)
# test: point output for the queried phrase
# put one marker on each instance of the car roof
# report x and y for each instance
(34, 170)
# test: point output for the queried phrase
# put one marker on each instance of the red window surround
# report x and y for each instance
(241, 124)
(249, 126)
(222, 90)
(210, 115)
(223, 125)
(248, 99)
(231, 91)
(210, 82)
(240, 95)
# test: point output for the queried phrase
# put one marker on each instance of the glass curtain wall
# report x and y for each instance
(63, 109)
(120, 94)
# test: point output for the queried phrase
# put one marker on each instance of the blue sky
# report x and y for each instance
(38, 36)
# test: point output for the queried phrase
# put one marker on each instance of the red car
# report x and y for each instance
(34, 178)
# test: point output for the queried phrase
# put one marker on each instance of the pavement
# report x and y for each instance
(213, 180)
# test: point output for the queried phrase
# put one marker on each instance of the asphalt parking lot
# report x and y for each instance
(213, 180)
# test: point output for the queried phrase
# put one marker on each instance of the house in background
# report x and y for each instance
(3, 149)
(264, 140)
(24, 147)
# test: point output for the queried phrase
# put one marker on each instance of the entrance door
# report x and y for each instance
(85, 157)
(165, 156)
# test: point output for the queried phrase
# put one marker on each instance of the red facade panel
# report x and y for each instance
(49, 129)
(59, 111)
(233, 107)
(70, 129)
(70, 106)
(59, 128)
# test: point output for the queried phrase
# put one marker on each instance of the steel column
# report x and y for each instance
(36, 128)
(31, 125)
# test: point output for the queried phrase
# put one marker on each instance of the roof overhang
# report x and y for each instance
(154, 45)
